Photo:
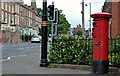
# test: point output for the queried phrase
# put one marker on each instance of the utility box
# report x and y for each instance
(100, 42)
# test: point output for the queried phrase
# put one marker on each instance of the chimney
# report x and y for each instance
(33, 4)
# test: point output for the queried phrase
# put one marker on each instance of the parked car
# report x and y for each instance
(36, 39)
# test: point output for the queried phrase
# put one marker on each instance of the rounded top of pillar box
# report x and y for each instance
(101, 15)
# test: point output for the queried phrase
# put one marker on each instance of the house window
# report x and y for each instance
(5, 6)
(21, 10)
(2, 16)
(5, 17)
(29, 22)
(15, 19)
(9, 7)
(12, 8)
(9, 19)
(12, 19)
(2, 5)
(29, 13)
(15, 8)
(18, 20)
(18, 8)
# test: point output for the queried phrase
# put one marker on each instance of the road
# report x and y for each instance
(20, 49)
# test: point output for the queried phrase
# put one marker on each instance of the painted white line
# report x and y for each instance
(32, 47)
(22, 55)
(27, 47)
(13, 45)
(21, 48)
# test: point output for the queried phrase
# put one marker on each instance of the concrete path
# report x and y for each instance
(30, 65)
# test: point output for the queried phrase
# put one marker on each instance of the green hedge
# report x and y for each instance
(70, 50)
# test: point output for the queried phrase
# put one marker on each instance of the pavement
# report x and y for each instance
(29, 64)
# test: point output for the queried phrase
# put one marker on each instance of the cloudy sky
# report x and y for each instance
(72, 9)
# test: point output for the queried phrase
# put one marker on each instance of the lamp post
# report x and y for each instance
(44, 61)
(90, 20)
(83, 26)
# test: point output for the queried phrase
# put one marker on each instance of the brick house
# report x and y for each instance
(74, 31)
(114, 9)
(79, 27)
(17, 16)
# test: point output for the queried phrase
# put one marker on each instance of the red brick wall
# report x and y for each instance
(5, 37)
(15, 38)
(115, 19)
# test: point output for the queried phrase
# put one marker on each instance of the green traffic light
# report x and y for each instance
(50, 17)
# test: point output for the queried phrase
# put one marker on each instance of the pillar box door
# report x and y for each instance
(100, 42)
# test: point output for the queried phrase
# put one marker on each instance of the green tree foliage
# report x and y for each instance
(63, 26)
(79, 33)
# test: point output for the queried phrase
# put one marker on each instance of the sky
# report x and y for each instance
(72, 9)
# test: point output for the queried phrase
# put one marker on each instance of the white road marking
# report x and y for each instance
(13, 45)
(27, 47)
(32, 47)
(21, 48)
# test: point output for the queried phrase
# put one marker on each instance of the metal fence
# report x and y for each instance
(114, 51)
(84, 47)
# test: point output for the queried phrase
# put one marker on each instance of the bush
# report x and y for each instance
(67, 50)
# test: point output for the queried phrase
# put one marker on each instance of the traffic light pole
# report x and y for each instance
(44, 61)
(56, 29)
(52, 30)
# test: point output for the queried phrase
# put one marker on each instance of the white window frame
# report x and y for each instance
(29, 21)
(12, 19)
(15, 19)
(18, 19)
(5, 17)
(9, 19)
(2, 16)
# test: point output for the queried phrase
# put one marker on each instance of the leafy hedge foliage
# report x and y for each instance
(114, 51)
(70, 50)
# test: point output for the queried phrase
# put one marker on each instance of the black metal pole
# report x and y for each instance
(44, 61)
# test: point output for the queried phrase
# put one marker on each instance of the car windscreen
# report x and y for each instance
(35, 36)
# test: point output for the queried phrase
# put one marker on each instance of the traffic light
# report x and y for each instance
(51, 12)
(56, 17)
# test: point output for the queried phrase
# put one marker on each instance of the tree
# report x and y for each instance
(63, 26)
(39, 11)
(79, 33)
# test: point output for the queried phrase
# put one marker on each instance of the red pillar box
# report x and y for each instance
(100, 42)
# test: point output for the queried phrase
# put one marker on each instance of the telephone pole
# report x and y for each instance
(83, 25)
